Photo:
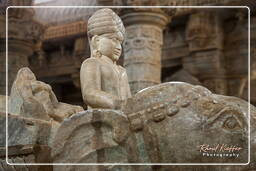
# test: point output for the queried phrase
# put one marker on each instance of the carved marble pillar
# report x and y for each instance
(23, 35)
(142, 47)
(204, 34)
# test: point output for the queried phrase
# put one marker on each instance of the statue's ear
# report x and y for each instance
(95, 37)
(94, 41)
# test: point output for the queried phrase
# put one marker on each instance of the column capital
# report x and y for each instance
(145, 17)
(167, 12)
(22, 26)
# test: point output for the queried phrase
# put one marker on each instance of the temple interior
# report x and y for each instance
(190, 66)
(201, 46)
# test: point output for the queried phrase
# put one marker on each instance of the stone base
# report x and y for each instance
(23, 131)
(25, 154)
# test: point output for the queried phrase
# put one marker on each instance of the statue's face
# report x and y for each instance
(26, 74)
(110, 46)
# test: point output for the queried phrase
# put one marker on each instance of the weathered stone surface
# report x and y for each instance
(64, 110)
(93, 136)
(166, 123)
(23, 131)
(35, 99)
(187, 116)
(183, 76)
(143, 47)
(26, 154)
(29, 141)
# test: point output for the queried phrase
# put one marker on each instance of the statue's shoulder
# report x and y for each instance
(122, 69)
(91, 61)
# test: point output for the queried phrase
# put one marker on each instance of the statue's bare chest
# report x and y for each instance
(111, 78)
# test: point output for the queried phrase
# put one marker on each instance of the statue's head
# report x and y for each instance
(106, 34)
(25, 74)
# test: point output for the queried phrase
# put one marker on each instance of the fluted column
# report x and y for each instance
(143, 47)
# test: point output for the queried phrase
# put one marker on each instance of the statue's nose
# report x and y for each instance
(118, 47)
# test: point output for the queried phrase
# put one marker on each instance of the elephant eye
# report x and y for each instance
(229, 119)
(231, 123)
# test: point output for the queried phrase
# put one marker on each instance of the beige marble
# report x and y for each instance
(104, 84)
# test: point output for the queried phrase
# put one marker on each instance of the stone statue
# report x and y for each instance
(104, 84)
(165, 123)
(35, 99)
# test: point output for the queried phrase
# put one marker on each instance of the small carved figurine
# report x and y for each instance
(35, 99)
(104, 84)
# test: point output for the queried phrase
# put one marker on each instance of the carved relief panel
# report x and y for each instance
(204, 31)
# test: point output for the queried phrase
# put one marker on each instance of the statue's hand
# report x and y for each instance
(38, 86)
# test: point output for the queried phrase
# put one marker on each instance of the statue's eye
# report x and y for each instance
(231, 123)
(115, 39)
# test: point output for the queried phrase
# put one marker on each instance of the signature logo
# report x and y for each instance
(219, 150)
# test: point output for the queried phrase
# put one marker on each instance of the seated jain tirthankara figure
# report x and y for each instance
(104, 84)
